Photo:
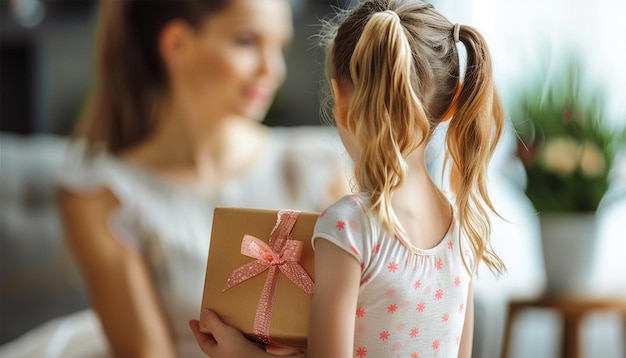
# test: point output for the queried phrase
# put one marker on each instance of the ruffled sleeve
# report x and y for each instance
(81, 174)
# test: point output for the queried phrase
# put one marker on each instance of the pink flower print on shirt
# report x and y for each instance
(438, 264)
(356, 252)
(390, 292)
(340, 225)
(384, 335)
(355, 199)
(354, 226)
(404, 304)
(450, 245)
(461, 307)
(435, 345)
(392, 267)
(420, 307)
(392, 308)
(400, 327)
(457, 281)
(457, 340)
(417, 284)
(414, 332)
(415, 355)
(361, 352)
(396, 346)
(439, 294)
(367, 279)
(445, 317)
(322, 214)
(376, 249)
(360, 312)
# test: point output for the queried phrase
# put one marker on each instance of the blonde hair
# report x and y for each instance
(401, 60)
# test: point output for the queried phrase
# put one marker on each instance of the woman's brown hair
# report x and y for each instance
(130, 76)
(401, 59)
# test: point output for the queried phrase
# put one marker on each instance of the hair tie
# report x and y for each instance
(455, 32)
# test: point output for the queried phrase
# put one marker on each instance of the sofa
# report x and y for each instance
(38, 279)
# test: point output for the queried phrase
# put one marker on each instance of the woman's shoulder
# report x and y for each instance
(85, 172)
(313, 161)
(309, 139)
(306, 150)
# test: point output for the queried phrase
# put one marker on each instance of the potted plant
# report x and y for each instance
(567, 147)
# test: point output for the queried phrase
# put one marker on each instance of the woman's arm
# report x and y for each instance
(465, 349)
(117, 278)
(333, 307)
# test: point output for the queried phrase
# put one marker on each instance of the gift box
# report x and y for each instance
(259, 275)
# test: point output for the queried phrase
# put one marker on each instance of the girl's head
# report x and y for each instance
(209, 58)
(395, 72)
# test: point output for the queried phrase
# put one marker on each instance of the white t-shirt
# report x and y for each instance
(409, 305)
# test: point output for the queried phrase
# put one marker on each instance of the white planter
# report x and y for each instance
(569, 244)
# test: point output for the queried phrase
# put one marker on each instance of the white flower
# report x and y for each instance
(561, 155)
(591, 161)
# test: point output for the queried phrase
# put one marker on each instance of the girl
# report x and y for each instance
(173, 129)
(394, 262)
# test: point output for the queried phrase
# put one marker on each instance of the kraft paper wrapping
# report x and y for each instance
(237, 306)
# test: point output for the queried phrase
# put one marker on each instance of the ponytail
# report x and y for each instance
(384, 112)
(402, 62)
(471, 140)
(130, 77)
(119, 110)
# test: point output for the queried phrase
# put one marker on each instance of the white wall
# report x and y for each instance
(526, 36)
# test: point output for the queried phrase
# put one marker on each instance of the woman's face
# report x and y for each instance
(237, 62)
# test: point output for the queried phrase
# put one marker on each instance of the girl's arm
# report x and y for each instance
(333, 307)
(465, 349)
(118, 281)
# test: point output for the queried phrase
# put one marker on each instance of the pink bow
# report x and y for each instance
(282, 254)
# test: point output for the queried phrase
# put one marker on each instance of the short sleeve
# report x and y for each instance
(346, 225)
(83, 174)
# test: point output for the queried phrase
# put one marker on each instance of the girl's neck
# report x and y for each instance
(417, 182)
(423, 210)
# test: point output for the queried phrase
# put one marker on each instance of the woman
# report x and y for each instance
(172, 130)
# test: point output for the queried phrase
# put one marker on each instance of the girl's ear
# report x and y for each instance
(340, 96)
(175, 43)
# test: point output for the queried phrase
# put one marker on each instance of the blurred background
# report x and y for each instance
(46, 66)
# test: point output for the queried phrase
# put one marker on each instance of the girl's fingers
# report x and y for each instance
(206, 341)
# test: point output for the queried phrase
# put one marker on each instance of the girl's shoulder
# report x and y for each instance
(349, 206)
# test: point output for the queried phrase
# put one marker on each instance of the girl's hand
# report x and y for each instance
(225, 341)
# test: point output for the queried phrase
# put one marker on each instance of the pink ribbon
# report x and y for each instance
(281, 254)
